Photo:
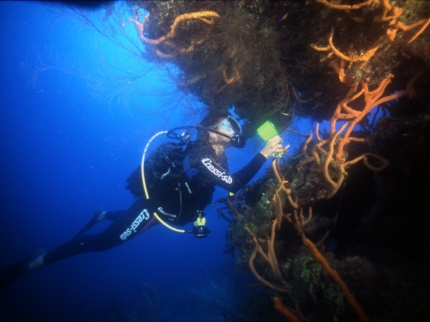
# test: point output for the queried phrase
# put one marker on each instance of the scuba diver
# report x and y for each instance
(178, 182)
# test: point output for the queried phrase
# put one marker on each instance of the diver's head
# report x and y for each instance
(232, 131)
(223, 129)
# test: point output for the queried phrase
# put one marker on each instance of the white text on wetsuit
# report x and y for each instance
(144, 215)
(222, 175)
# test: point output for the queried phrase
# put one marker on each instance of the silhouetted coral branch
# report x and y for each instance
(335, 275)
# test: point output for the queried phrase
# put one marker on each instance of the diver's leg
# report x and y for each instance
(121, 230)
(113, 215)
(12, 273)
(134, 221)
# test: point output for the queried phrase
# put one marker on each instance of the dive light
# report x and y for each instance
(268, 131)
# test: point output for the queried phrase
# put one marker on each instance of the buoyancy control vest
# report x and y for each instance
(175, 196)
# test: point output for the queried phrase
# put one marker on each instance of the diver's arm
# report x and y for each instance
(234, 182)
(244, 175)
(231, 182)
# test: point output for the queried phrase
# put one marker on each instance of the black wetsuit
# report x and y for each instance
(196, 189)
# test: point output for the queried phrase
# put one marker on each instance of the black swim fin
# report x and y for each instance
(94, 220)
(12, 273)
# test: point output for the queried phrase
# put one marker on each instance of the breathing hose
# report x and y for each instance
(142, 171)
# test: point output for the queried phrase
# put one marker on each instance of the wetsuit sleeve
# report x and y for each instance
(232, 182)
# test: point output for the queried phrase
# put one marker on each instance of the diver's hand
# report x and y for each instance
(274, 145)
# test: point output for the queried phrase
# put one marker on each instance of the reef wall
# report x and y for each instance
(336, 231)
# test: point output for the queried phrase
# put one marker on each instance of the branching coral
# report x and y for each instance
(335, 275)
(285, 311)
(299, 223)
(362, 58)
(327, 156)
(391, 14)
(270, 258)
(346, 6)
(231, 80)
(390, 17)
(333, 158)
(276, 200)
(297, 218)
(371, 100)
(264, 246)
(140, 26)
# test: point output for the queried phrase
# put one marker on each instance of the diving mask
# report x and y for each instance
(232, 127)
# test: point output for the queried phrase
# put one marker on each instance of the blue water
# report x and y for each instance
(76, 112)
(71, 132)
